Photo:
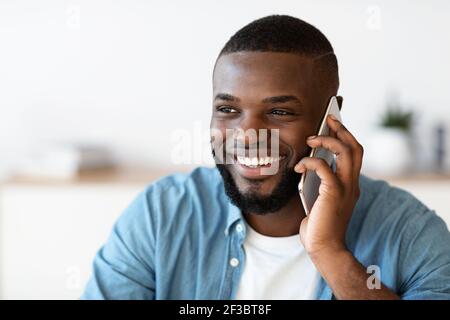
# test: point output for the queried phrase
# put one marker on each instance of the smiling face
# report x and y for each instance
(267, 90)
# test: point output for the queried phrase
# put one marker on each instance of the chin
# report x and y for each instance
(264, 195)
(262, 186)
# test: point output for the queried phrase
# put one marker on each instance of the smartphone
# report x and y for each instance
(309, 183)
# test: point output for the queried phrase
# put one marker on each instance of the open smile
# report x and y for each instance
(251, 167)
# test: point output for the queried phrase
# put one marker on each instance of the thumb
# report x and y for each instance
(303, 228)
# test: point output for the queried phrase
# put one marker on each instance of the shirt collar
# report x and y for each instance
(234, 214)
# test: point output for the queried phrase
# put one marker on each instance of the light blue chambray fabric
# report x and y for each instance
(176, 240)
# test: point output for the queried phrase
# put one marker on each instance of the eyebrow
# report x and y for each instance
(226, 97)
(281, 99)
(275, 99)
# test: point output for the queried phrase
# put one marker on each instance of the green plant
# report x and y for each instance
(395, 117)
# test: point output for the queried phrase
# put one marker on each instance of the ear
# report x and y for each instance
(340, 100)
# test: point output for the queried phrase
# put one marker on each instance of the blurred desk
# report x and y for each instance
(50, 230)
(416, 178)
(110, 176)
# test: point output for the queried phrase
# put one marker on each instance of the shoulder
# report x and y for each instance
(389, 218)
(409, 241)
(202, 181)
(186, 193)
(380, 202)
(387, 214)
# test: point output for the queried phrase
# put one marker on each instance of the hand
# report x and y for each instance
(323, 230)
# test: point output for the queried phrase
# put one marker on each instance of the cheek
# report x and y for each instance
(217, 129)
(297, 143)
(219, 126)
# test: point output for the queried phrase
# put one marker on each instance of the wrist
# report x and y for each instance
(329, 254)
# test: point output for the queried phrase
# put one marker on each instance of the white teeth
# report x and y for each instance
(255, 162)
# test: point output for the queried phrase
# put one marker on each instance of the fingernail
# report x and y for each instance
(333, 117)
(311, 137)
(300, 169)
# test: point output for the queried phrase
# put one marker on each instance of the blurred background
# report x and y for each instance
(100, 98)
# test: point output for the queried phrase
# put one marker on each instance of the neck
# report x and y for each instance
(282, 223)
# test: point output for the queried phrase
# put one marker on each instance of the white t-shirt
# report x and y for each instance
(276, 268)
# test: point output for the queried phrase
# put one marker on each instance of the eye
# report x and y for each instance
(279, 112)
(226, 109)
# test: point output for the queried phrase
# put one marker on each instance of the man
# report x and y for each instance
(235, 233)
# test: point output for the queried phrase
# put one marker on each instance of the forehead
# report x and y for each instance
(247, 73)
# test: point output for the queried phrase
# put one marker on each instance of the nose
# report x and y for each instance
(248, 132)
(252, 131)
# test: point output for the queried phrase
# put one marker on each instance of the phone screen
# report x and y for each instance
(310, 181)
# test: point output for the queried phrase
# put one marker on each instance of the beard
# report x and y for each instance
(251, 201)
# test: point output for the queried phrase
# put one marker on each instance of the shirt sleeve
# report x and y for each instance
(124, 267)
(426, 259)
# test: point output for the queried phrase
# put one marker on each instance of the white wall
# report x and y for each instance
(128, 73)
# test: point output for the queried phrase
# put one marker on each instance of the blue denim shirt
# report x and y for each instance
(176, 240)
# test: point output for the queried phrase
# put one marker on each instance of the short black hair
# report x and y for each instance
(283, 33)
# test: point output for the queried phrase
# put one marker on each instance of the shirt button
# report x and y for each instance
(234, 262)
(239, 228)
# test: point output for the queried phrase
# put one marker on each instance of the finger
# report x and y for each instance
(347, 137)
(344, 158)
(331, 132)
(321, 168)
(341, 131)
